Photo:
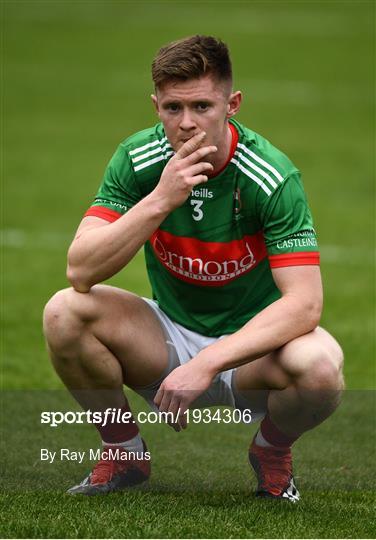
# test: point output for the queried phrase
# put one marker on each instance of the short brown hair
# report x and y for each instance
(192, 58)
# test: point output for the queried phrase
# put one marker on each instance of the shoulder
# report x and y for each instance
(146, 137)
(262, 161)
(146, 148)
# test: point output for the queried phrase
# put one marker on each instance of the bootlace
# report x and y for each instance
(105, 470)
(275, 469)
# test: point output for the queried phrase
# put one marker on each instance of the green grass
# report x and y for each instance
(76, 82)
(201, 484)
(189, 515)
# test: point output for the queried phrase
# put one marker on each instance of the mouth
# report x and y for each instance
(185, 138)
(183, 141)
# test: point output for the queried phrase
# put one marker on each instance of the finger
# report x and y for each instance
(175, 427)
(196, 180)
(158, 396)
(174, 411)
(173, 407)
(199, 154)
(199, 168)
(165, 402)
(183, 416)
(191, 145)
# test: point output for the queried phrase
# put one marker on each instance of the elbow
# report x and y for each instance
(76, 274)
(312, 314)
(77, 280)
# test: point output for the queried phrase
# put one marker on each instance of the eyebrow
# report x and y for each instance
(195, 102)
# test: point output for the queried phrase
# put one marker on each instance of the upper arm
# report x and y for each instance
(89, 222)
(303, 283)
(292, 245)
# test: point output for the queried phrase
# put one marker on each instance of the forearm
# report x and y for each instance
(282, 321)
(99, 253)
(102, 251)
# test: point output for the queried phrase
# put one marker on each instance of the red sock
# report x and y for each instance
(120, 426)
(274, 436)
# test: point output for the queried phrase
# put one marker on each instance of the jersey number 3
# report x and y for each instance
(197, 214)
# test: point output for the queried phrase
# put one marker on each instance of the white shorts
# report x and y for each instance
(184, 344)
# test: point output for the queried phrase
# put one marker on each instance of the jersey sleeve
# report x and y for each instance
(288, 227)
(118, 191)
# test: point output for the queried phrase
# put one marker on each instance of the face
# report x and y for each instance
(188, 107)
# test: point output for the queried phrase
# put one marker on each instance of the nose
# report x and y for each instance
(187, 122)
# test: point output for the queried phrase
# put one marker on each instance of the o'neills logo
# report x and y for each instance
(207, 263)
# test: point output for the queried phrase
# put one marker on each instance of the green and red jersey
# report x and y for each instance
(209, 262)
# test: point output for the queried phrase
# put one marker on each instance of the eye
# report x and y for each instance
(173, 107)
(202, 106)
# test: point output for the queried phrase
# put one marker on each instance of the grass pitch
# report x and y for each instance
(76, 82)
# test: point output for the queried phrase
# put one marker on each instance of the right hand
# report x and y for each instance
(185, 170)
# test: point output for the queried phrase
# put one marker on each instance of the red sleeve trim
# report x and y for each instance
(294, 259)
(104, 213)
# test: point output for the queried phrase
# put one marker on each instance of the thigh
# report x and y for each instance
(128, 327)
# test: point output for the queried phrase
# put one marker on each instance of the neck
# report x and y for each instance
(220, 158)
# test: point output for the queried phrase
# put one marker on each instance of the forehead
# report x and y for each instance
(204, 88)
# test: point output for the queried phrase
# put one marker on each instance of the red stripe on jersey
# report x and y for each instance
(294, 259)
(208, 263)
(234, 143)
(104, 213)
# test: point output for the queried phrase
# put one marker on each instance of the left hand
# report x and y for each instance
(180, 388)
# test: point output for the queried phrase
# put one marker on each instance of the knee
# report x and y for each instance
(63, 318)
(317, 367)
(325, 370)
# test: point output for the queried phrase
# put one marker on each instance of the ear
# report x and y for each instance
(233, 104)
(155, 102)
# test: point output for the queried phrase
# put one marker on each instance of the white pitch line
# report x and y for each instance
(18, 238)
(54, 240)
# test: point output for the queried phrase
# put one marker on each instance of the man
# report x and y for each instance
(233, 262)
